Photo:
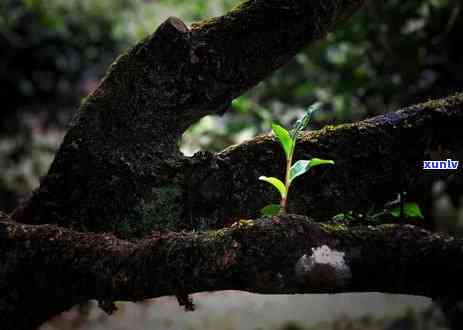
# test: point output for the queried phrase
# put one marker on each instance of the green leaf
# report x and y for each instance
(343, 216)
(317, 161)
(302, 123)
(276, 183)
(411, 210)
(339, 217)
(271, 209)
(299, 168)
(285, 140)
(302, 166)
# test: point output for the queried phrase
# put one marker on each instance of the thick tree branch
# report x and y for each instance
(288, 254)
(256, 38)
(375, 159)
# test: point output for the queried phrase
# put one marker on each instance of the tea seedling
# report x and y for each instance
(288, 142)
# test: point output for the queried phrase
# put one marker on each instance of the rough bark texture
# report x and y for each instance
(119, 168)
(119, 177)
(375, 159)
(289, 254)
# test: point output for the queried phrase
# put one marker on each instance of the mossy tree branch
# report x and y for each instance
(375, 159)
(119, 169)
(289, 254)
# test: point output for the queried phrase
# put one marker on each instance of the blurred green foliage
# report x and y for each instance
(390, 54)
(49, 50)
(51, 53)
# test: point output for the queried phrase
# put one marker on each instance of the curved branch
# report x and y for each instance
(242, 47)
(289, 254)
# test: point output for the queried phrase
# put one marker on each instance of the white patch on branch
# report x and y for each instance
(325, 268)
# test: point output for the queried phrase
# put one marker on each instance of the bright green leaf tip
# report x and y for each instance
(302, 166)
(318, 161)
(411, 210)
(276, 183)
(285, 139)
(303, 122)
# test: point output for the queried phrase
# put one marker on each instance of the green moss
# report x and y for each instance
(242, 223)
(238, 9)
(162, 207)
(388, 227)
(333, 227)
(124, 229)
(435, 104)
(158, 210)
(205, 23)
(443, 102)
(222, 22)
(214, 235)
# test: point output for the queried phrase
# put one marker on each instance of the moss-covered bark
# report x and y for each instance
(119, 169)
(375, 159)
(119, 173)
(289, 254)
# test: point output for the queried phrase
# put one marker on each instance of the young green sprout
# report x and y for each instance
(406, 209)
(288, 141)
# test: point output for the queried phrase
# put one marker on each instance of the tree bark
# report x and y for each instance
(287, 254)
(375, 159)
(119, 168)
(109, 220)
